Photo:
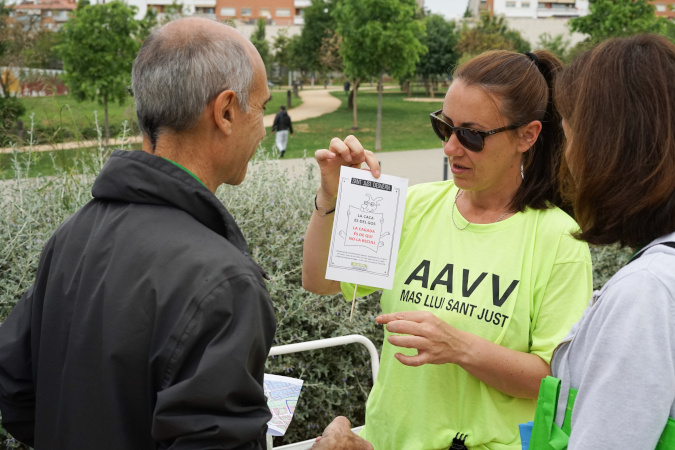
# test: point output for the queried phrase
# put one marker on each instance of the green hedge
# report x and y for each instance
(273, 208)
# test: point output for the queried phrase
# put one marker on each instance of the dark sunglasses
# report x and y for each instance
(469, 138)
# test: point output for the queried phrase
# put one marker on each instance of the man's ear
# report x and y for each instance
(528, 135)
(224, 111)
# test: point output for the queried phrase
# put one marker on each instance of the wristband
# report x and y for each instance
(326, 212)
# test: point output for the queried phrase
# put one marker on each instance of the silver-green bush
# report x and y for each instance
(273, 208)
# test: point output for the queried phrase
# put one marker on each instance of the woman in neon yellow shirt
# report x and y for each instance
(491, 246)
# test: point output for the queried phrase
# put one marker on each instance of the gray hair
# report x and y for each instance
(177, 74)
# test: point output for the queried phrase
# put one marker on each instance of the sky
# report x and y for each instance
(451, 9)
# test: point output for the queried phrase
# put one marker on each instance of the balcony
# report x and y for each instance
(565, 8)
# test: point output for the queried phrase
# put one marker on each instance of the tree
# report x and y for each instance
(441, 40)
(99, 45)
(330, 53)
(320, 25)
(490, 33)
(609, 18)
(259, 42)
(41, 54)
(11, 107)
(378, 37)
(557, 45)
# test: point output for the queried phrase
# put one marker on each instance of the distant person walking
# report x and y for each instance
(347, 86)
(282, 126)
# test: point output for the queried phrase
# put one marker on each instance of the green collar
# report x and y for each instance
(195, 176)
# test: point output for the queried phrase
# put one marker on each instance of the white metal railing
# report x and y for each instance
(315, 345)
(332, 342)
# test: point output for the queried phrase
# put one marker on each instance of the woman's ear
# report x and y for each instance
(528, 135)
(224, 111)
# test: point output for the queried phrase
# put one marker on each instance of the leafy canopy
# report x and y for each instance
(610, 18)
(259, 42)
(490, 33)
(379, 36)
(440, 39)
(319, 27)
(99, 45)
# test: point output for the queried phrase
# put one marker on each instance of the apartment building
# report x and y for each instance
(533, 9)
(276, 12)
(279, 12)
(664, 8)
(41, 14)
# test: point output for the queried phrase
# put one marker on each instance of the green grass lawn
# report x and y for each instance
(62, 118)
(405, 125)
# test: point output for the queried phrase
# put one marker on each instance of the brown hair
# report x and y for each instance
(524, 88)
(618, 101)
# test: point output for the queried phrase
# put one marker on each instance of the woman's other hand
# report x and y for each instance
(436, 341)
(512, 372)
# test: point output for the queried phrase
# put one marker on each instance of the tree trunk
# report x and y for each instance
(107, 125)
(378, 127)
(356, 88)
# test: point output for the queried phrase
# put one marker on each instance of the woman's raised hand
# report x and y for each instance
(350, 153)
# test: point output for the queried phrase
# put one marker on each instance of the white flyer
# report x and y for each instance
(282, 395)
(366, 228)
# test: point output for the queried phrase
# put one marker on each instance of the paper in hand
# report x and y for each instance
(367, 228)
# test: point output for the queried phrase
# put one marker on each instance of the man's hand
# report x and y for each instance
(339, 436)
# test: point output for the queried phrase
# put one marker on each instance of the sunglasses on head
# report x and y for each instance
(469, 138)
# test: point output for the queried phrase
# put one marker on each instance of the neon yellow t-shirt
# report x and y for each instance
(521, 283)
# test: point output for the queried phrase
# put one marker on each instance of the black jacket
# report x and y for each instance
(282, 121)
(148, 325)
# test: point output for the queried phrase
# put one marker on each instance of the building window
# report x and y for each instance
(283, 12)
(205, 10)
(511, 4)
(660, 7)
(228, 12)
(265, 12)
(246, 12)
(525, 4)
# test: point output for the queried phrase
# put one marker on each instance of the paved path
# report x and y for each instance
(418, 166)
(315, 102)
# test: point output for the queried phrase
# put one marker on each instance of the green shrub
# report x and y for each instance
(273, 208)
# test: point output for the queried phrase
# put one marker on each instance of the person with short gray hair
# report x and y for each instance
(172, 78)
(149, 324)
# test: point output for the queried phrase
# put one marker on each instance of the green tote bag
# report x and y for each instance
(546, 435)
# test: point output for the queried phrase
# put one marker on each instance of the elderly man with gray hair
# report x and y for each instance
(148, 324)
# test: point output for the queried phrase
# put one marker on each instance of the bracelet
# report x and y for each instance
(326, 212)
